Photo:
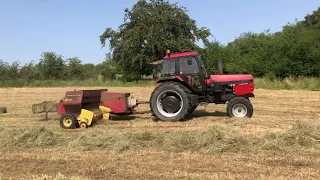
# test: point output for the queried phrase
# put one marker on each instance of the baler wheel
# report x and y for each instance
(239, 107)
(83, 125)
(68, 121)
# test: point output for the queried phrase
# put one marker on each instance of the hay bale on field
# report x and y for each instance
(3, 110)
(46, 106)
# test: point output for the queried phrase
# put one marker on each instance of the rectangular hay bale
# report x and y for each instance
(46, 106)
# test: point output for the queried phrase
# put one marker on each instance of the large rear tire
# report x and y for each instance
(239, 107)
(171, 101)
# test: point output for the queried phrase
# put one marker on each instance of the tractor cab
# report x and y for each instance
(186, 67)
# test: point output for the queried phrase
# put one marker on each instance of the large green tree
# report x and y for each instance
(294, 51)
(74, 69)
(312, 19)
(149, 29)
(51, 66)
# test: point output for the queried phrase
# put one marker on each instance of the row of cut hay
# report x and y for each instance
(216, 139)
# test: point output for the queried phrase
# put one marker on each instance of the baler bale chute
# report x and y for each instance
(44, 107)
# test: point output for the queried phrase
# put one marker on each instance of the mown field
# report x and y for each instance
(281, 141)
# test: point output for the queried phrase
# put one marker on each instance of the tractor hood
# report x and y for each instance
(230, 78)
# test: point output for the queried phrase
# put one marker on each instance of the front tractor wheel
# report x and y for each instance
(239, 107)
(171, 101)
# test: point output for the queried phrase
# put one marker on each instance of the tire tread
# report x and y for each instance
(243, 101)
(176, 85)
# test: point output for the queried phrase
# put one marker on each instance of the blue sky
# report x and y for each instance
(72, 27)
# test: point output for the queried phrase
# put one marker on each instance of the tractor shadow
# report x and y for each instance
(195, 114)
(51, 117)
(202, 113)
(122, 118)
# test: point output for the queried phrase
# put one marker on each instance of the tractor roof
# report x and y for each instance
(181, 54)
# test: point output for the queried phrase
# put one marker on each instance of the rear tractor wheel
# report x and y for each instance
(239, 107)
(171, 101)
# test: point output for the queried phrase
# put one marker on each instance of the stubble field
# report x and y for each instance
(281, 141)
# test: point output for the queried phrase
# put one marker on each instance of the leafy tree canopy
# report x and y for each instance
(312, 19)
(51, 65)
(149, 29)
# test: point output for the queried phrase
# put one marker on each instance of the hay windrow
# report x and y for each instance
(27, 138)
(216, 139)
(301, 135)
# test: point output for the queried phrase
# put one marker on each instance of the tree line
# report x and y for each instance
(151, 27)
(295, 51)
(52, 66)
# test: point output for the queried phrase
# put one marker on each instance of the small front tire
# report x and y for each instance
(239, 107)
(83, 125)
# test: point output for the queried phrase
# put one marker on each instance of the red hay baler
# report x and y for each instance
(81, 107)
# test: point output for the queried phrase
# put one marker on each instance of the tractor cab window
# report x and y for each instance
(188, 65)
(168, 67)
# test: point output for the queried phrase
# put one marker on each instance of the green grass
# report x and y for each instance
(260, 83)
(289, 83)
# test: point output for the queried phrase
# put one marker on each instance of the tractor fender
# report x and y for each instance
(176, 79)
(169, 78)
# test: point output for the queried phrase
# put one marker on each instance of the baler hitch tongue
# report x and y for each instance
(133, 102)
(143, 102)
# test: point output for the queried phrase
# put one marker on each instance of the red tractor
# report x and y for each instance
(184, 84)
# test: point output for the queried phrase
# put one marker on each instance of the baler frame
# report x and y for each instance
(85, 106)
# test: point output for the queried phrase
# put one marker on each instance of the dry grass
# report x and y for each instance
(281, 141)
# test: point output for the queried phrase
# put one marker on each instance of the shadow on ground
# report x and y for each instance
(195, 114)
(202, 113)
